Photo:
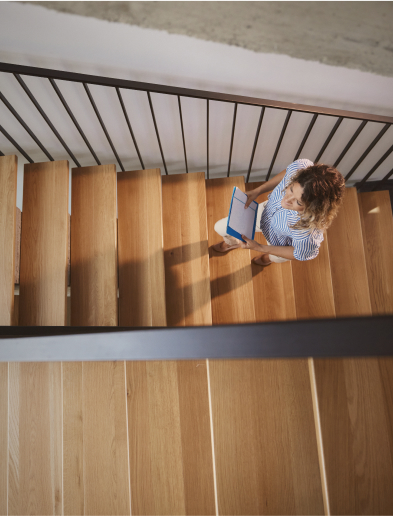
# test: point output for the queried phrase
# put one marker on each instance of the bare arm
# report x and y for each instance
(283, 251)
(266, 187)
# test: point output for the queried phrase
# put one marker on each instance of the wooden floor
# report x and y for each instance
(193, 437)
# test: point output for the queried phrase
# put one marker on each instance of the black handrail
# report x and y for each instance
(346, 337)
(149, 88)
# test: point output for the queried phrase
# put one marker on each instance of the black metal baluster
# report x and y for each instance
(156, 128)
(358, 131)
(379, 162)
(328, 139)
(25, 126)
(182, 132)
(207, 137)
(44, 116)
(387, 176)
(232, 137)
(67, 108)
(129, 126)
(102, 125)
(1, 153)
(255, 142)
(314, 118)
(9, 137)
(279, 143)
(368, 150)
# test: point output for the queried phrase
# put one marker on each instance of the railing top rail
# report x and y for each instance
(187, 92)
(343, 337)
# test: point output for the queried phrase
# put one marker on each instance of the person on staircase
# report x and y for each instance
(304, 200)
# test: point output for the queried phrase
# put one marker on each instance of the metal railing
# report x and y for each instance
(236, 100)
(358, 336)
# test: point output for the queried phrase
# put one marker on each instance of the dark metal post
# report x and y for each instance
(102, 124)
(9, 137)
(129, 126)
(44, 116)
(255, 142)
(232, 137)
(368, 150)
(25, 126)
(358, 131)
(67, 108)
(379, 162)
(328, 139)
(314, 118)
(156, 128)
(182, 132)
(207, 138)
(279, 143)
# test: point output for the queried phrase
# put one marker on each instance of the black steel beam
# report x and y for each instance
(323, 338)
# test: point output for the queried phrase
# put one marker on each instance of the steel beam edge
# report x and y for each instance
(351, 337)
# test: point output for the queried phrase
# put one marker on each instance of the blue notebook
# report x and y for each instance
(241, 221)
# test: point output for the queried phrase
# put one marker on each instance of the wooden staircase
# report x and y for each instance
(207, 437)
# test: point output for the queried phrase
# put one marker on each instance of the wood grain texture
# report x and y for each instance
(96, 478)
(265, 443)
(18, 231)
(230, 273)
(313, 288)
(274, 297)
(93, 247)
(3, 437)
(377, 227)
(187, 281)
(43, 264)
(168, 406)
(8, 176)
(73, 459)
(141, 254)
(35, 439)
(347, 260)
(169, 434)
(356, 409)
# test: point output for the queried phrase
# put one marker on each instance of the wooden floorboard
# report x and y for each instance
(377, 226)
(43, 266)
(8, 176)
(171, 461)
(263, 421)
(347, 260)
(141, 255)
(3, 438)
(35, 439)
(186, 250)
(355, 402)
(94, 246)
(274, 297)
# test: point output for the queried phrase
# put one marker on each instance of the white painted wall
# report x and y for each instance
(33, 35)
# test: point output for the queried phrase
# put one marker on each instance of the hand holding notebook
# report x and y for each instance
(241, 221)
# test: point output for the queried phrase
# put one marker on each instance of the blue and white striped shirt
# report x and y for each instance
(276, 220)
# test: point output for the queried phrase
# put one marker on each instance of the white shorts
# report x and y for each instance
(220, 227)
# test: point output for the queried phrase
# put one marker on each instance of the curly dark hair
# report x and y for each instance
(323, 194)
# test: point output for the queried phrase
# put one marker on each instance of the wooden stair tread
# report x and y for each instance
(43, 265)
(93, 246)
(347, 260)
(274, 297)
(171, 459)
(250, 473)
(230, 273)
(347, 425)
(186, 250)
(377, 227)
(140, 253)
(8, 175)
(95, 428)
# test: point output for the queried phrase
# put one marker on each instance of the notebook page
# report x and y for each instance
(242, 220)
